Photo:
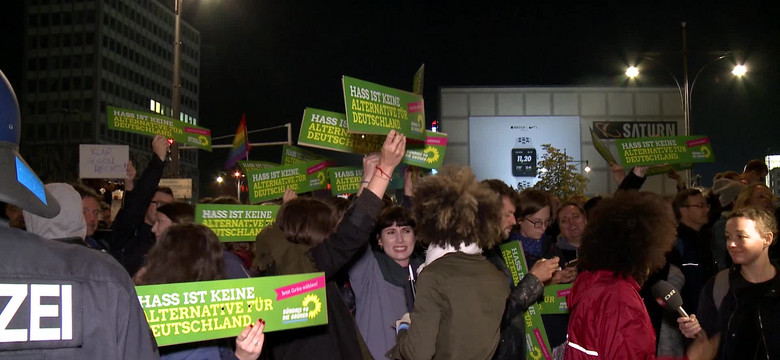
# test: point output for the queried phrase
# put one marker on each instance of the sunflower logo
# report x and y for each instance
(321, 177)
(312, 298)
(421, 121)
(431, 154)
(706, 151)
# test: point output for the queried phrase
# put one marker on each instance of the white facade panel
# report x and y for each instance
(457, 155)
(538, 104)
(482, 104)
(565, 104)
(454, 104)
(510, 104)
(457, 130)
(593, 103)
(620, 103)
(648, 104)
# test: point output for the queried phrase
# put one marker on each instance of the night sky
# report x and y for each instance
(271, 59)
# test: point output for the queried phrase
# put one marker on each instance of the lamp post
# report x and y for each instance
(686, 88)
(238, 175)
(176, 93)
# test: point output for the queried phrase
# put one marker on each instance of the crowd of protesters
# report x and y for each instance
(426, 278)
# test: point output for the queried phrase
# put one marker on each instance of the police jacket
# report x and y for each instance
(64, 301)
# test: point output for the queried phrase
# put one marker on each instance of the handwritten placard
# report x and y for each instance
(97, 161)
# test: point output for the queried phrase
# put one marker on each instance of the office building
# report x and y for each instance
(83, 55)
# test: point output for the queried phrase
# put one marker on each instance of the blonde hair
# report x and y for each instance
(745, 195)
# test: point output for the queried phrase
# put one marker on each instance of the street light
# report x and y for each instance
(632, 72)
(220, 179)
(739, 70)
(586, 168)
(686, 88)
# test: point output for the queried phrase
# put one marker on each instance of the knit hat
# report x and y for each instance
(727, 190)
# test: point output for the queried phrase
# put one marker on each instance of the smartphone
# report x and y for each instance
(572, 263)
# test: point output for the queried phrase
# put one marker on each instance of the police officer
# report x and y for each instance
(58, 301)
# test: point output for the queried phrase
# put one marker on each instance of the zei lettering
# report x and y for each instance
(41, 305)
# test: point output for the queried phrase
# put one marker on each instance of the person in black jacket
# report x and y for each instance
(302, 241)
(131, 230)
(742, 303)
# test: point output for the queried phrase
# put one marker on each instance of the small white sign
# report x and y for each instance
(182, 188)
(103, 161)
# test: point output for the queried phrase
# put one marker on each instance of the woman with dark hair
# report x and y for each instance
(533, 216)
(302, 241)
(187, 253)
(183, 252)
(626, 239)
(383, 277)
(460, 294)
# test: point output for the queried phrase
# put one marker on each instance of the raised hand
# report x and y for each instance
(249, 343)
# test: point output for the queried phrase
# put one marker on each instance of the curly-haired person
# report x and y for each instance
(460, 295)
(626, 239)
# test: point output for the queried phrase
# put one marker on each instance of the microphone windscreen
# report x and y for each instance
(667, 296)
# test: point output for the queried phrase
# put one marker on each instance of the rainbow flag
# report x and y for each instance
(241, 145)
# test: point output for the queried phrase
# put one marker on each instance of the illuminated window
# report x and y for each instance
(151, 104)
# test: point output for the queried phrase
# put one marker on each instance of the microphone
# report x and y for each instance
(668, 297)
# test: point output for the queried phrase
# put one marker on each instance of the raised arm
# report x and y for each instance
(352, 234)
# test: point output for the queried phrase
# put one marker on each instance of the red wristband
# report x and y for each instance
(383, 172)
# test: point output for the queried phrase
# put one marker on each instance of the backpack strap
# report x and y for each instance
(720, 287)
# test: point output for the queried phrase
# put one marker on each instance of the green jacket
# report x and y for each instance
(457, 312)
(339, 339)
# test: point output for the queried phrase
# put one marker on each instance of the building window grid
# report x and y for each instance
(187, 85)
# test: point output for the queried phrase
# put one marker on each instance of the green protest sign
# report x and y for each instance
(249, 165)
(148, 123)
(535, 334)
(417, 84)
(328, 130)
(602, 149)
(665, 150)
(554, 301)
(431, 155)
(663, 169)
(235, 222)
(293, 155)
(204, 310)
(377, 109)
(270, 183)
(345, 180)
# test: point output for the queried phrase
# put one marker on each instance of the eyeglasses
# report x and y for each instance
(538, 224)
(700, 206)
